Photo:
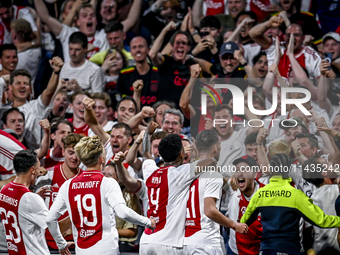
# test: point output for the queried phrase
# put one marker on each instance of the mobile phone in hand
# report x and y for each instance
(328, 57)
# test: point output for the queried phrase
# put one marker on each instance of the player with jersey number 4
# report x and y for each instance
(90, 198)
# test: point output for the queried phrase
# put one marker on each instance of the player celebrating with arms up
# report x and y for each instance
(88, 199)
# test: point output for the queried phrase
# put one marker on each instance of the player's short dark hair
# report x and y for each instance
(128, 130)
(113, 164)
(18, 72)
(127, 98)
(55, 125)
(173, 37)
(279, 163)
(249, 13)
(313, 141)
(79, 38)
(75, 94)
(113, 26)
(13, 109)
(251, 139)
(170, 147)
(158, 135)
(314, 177)
(221, 107)
(206, 139)
(24, 160)
(210, 21)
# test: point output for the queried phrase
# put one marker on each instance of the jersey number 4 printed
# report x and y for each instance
(10, 222)
(87, 207)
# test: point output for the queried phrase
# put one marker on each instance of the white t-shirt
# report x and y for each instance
(99, 41)
(250, 51)
(300, 183)
(168, 192)
(89, 76)
(89, 199)
(107, 128)
(325, 198)
(29, 60)
(26, 214)
(233, 148)
(200, 230)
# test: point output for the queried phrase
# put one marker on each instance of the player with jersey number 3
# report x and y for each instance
(89, 199)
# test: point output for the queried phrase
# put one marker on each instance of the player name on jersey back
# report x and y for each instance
(85, 185)
(8, 200)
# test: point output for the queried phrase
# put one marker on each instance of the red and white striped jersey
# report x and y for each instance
(9, 146)
(50, 161)
(308, 58)
(199, 229)
(23, 215)
(89, 198)
(247, 244)
(56, 178)
(168, 195)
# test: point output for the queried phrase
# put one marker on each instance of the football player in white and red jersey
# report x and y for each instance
(59, 130)
(249, 243)
(89, 199)
(167, 189)
(24, 213)
(202, 230)
(59, 174)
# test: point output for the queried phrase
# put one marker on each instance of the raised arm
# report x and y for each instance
(54, 25)
(248, 115)
(154, 53)
(324, 84)
(184, 102)
(302, 77)
(123, 175)
(205, 65)
(197, 12)
(263, 160)
(91, 120)
(47, 95)
(252, 76)
(131, 156)
(146, 112)
(72, 13)
(137, 90)
(257, 32)
(235, 36)
(45, 142)
(133, 15)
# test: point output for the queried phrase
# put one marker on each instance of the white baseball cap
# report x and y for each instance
(333, 35)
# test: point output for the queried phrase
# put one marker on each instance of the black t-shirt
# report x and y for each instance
(238, 73)
(150, 91)
(173, 77)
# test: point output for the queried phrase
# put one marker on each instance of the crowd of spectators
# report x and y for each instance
(142, 61)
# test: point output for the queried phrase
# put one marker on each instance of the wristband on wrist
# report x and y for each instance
(56, 72)
(259, 143)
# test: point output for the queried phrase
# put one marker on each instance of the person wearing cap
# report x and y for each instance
(229, 67)
(329, 69)
(246, 169)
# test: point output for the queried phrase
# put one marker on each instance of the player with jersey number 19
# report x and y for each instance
(23, 213)
(89, 199)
